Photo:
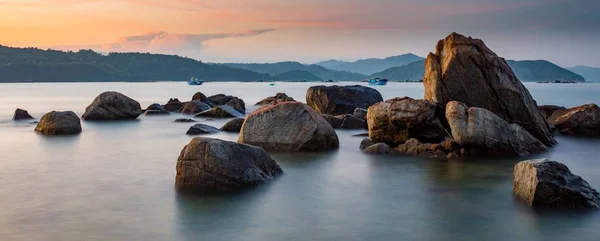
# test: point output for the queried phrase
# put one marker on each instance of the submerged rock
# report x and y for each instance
(112, 105)
(184, 120)
(397, 120)
(200, 129)
(366, 143)
(378, 149)
(483, 130)
(223, 111)
(341, 100)
(466, 70)
(211, 165)
(194, 107)
(59, 123)
(21, 114)
(273, 100)
(173, 105)
(289, 126)
(234, 125)
(550, 184)
(579, 121)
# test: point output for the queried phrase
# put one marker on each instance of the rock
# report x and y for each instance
(200, 129)
(396, 120)
(366, 143)
(174, 105)
(202, 98)
(194, 107)
(112, 105)
(548, 110)
(21, 114)
(464, 69)
(155, 106)
(223, 111)
(334, 121)
(362, 135)
(579, 121)
(273, 100)
(234, 125)
(156, 112)
(211, 165)
(360, 113)
(483, 130)
(550, 184)
(220, 99)
(289, 126)
(341, 100)
(59, 123)
(345, 121)
(184, 120)
(237, 104)
(378, 149)
(415, 148)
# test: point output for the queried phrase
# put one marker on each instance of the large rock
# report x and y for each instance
(550, 184)
(21, 114)
(397, 120)
(341, 100)
(580, 121)
(211, 165)
(220, 99)
(289, 126)
(194, 107)
(223, 111)
(234, 125)
(548, 110)
(237, 104)
(273, 100)
(464, 69)
(201, 129)
(59, 123)
(112, 106)
(173, 105)
(484, 131)
(202, 98)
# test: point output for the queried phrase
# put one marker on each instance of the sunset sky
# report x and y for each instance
(566, 32)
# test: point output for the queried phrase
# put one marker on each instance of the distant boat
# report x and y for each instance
(195, 81)
(272, 84)
(377, 81)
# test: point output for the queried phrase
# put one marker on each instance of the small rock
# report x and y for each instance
(155, 106)
(174, 105)
(200, 129)
(273, 100)
(366, 143)
(361, 135)
(223, 111)
(220, 99)
(202, 98)
(184, 120)
(237, 104)
(234, 125)
(378, 149)
(360, 113)
(415, 148)
(59, 123)
(21, 114)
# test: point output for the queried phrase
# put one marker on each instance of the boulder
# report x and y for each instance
(156, 109)
(351, 122)
(184, 120)
(378, 149)
(288, 126)
(200, 129)
(548, 110)
(112, 105)
(366, 143)
(334, 121)
(234, 125)
(549, 184)
(464, 69)
(484, 131)
(273, 100)
(220, 99)
(212, 165)
(21, 114)
(202, 98)
(397, 120)
(174, 105)
(414, 147)
(223, 111)
(194, 107)
(360, 113)
(155, 106)
(579, 121)
(59, 123)
(237, 104)
(341, 100)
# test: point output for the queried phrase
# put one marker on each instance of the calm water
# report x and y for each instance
(115, 180)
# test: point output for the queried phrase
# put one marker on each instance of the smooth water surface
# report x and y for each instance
(115, 181)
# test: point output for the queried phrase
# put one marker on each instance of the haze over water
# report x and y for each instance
(115, 181)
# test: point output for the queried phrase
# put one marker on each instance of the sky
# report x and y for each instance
(566, 32)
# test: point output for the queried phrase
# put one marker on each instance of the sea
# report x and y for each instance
(115, 180)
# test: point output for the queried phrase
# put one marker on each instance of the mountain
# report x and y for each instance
(589, 73)
(541, 70)
(526, 71)
(32, 64)
(274, 69)
(296, 75)
(370, 66)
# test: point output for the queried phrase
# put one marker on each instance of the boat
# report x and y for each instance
(377, 81)
(195, 81)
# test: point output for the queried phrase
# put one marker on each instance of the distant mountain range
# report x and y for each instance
(275, 69)
(589, 73)
(526, 71)
(36, 65)
(370, 66)
(296, 75)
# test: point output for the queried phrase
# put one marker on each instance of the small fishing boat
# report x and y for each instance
(377, 81)
(195, 81)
